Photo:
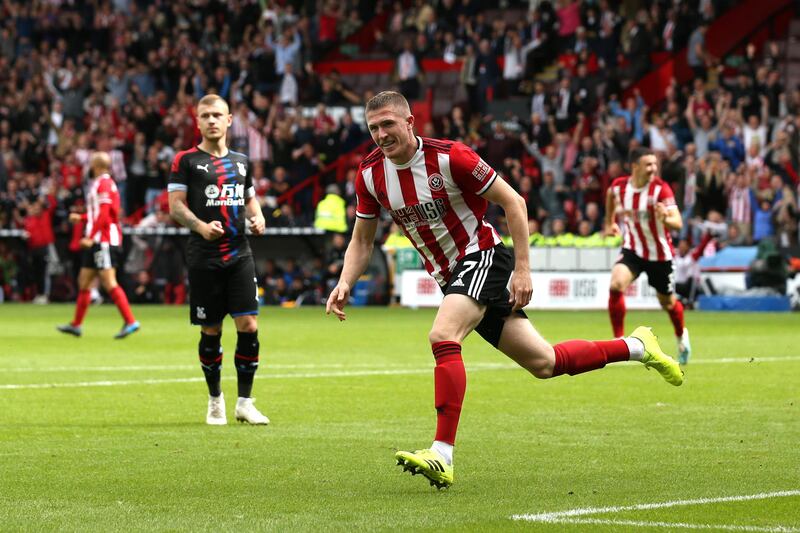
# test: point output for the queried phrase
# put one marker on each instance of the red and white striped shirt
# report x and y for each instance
(643, 233)
(435, 198)
(102, 211)
(740, 202)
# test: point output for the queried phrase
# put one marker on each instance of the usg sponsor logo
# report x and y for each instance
(419, 214)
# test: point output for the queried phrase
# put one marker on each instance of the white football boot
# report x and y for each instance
(247, 412)
(216, 411)
(684, 348)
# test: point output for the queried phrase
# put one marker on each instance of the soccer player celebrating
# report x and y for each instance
(101, 245)
(437, 191)
(211, 192)
(648, 211)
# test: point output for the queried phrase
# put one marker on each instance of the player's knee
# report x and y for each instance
(250, 325)
(617, 285)
(542, 366)
(210, 350)
(212, 330)
(439, 335)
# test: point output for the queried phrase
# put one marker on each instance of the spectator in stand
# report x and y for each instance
(741, 202)
(696, 53)
(762, 222)
(408, 71)
(729, 145)
(38, 225)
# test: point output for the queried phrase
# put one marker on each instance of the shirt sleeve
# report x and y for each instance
(367, 205)
(469, 171)
(105, 191)
(179, 175)
(666, 197)
(249, 189)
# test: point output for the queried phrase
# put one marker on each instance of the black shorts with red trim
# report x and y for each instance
(101, 256)
(483, 276)
(219, 291)
(659, 273)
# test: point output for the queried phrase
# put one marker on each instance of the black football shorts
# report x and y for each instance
(484, 276)
(659, 273)
(216, 292)
(101, 256)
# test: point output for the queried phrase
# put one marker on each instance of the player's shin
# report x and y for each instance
(676, 316)
(616, 312)
(450, 382)
(211, 361)
(121, 301)
(81, 305)
(246, 361)
(578, 356)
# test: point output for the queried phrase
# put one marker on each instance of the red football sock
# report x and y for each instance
(577, 356)
(616, 310)
(450, 383)
(676, 315)
(81, 305)
(121, 301)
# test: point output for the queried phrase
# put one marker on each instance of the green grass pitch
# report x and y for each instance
(102, 435)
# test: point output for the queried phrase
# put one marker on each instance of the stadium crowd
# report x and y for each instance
(124, 76)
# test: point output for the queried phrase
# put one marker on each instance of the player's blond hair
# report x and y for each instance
(100, 161)
(211, 99)
(388, 99)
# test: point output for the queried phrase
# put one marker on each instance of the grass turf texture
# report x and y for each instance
(138, 456)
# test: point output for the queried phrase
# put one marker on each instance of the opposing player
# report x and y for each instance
(437, 191)
(101, 245)
(646, 205)
(211, 192)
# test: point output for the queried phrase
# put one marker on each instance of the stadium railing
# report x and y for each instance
(752, 21)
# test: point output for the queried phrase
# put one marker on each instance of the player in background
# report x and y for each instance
(437, 191)
(646, 205)
(102, 247)
(211, 193)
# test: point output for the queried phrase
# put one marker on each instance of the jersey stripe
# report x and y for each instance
(395, 201)
(451, 218)
(409, 191)
(177, 161)
(638, 205)
(653, 192)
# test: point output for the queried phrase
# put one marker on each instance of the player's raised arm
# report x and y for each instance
(501, 193)
(356, 259)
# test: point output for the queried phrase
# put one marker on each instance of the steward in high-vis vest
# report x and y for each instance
(331, 212)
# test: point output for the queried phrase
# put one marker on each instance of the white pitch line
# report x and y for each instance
(560, 515)
(268, 366)
(676, 525)
(299, 375)
(138, 368)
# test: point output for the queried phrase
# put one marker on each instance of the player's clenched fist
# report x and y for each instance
(212, 230)
(257, 224)
(337, 300)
